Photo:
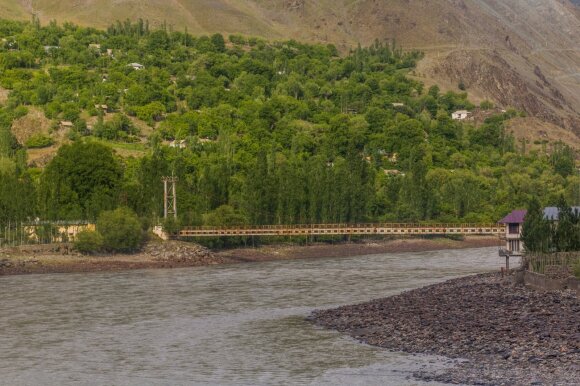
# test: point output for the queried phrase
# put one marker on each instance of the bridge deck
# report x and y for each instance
(344, 229)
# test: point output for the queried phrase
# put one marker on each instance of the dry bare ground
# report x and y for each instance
(3, 95)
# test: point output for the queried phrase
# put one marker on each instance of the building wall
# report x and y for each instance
(513, 239)
(58, 233)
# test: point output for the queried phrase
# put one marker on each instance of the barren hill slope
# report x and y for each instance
(521, 53)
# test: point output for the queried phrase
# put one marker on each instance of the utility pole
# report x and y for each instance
(169, 197)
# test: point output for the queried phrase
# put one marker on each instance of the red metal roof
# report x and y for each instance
(515, 217)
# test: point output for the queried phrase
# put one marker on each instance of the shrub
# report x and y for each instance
(576, 269)
(171, 225)
(121, 230)
(20, 112)
(486, 105)
(89, 242)
(39, 141)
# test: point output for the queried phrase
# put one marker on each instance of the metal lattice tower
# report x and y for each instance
(169, 197)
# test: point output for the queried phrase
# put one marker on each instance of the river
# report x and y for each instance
(223, 325)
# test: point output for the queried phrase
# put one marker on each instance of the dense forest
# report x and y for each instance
(273, 133)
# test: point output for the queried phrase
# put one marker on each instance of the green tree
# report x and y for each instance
(121, 230)
(563, 159)
(566, 233)
(536, 233)
(82, 180)
(224, 216)
(218, 42)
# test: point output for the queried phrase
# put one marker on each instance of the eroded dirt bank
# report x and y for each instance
(509, 335)
(175, 254)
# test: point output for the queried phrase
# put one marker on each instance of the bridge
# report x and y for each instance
(345, 230)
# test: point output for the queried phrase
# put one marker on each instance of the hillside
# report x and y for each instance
(257, 132)
(520, 53)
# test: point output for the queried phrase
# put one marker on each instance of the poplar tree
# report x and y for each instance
(536, 230)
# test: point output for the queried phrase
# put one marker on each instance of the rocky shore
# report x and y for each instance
(61, 258)
(504, 334)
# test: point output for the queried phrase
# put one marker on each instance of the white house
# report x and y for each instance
(104, 108)
(460, 115)
(48, 49)
(393, 172)
(178, 144)
(136, 66)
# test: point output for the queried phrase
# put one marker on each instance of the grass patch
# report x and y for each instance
(125, 149)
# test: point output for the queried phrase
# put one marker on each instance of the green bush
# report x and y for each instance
(121, 230)
(576, 269)
(171, 225)
(38, 141)
(89, 242)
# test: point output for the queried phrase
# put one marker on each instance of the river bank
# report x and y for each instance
(38, 259)
(504, 334)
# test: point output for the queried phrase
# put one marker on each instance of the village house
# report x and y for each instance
(514, 222)
(393, 172)
(47, 49)
(104, 108)
(136, 66)
(398, 104)
(513, 232)
(66, 124)
(552, 213)
(94, 46)
(460, 115)
(182, 144)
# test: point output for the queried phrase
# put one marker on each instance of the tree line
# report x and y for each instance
(275, 133)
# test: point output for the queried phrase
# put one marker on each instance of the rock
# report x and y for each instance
(181, 252)
(509, 334)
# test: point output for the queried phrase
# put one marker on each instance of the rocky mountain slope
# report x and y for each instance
(521, 53)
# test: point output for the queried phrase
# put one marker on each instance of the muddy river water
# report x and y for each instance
(226, 325)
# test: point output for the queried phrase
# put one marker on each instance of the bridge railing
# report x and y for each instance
(344, 229)
(344, 226)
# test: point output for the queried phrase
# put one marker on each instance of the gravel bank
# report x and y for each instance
(508, 335)
(61, 258)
